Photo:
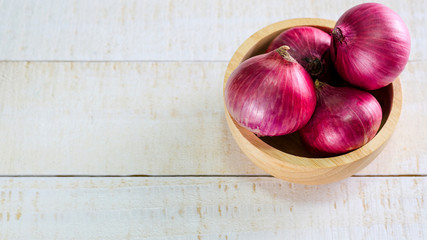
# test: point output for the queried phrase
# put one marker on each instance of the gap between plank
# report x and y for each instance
(137, 61)
(114, 61)
(184, 176)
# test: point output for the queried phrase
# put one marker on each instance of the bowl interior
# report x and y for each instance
(291, 144)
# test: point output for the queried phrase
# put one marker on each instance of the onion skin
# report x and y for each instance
(309, 46)
(370, 46)
(270, 94)
(345, 119)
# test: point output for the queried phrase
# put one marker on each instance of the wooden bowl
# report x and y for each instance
(285, 157)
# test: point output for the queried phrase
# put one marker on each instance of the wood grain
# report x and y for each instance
(162, 30)
(166, 118)
(151, 118)
(114, 118)
(211, 208)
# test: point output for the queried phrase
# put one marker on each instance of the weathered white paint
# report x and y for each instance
(163, 29)
(211, 208)
(115, 118)
(167, 118)
(150, 118)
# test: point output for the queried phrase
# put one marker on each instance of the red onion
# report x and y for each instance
(310, 48)
(370, 45)
(270, 94)
(345, 119)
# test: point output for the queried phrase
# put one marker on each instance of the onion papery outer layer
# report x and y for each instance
(345, 119)
(309, 46)
(370, 46)
(270, 94)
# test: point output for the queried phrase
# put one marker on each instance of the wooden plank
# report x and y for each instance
(151, 118)
(114, 118)
(211, 208)
(164, 29)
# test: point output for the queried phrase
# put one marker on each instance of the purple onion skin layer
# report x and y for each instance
(309, 46)
(370, 46)
(270, 95)
(345, 119)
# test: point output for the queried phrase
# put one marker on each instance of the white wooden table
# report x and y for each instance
(112, 127)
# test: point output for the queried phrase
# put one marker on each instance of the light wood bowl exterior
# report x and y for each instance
(285, 157)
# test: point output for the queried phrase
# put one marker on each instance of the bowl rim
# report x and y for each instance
(262, 150)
